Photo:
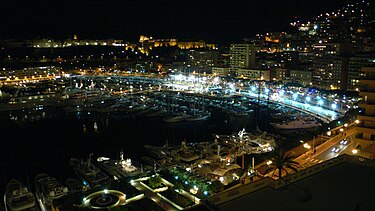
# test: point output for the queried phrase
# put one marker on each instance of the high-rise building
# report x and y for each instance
(202, 60)
(300, 76)
(366, 129)
(242, 56)
(354, 69)
(330, 65)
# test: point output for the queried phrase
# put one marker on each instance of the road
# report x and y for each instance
(325, 151)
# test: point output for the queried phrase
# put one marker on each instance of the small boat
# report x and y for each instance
(18, 197)
(47, 189)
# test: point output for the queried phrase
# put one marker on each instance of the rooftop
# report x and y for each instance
(347, 186)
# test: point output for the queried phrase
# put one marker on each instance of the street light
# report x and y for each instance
(329, 133)
(334, 106)
(306, 146)
(295, 96)
(253, 88)
(354, 151)
(308, 98)
(357, 121)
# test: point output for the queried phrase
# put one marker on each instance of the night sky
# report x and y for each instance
(220, 20)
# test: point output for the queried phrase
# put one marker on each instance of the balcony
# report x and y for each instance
(365, 130)
(367, 85)
(367, 96)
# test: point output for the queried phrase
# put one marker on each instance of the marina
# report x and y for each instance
(191, 150)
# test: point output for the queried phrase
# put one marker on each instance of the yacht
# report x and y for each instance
(199, 117)
(18, 197)
(89, 173)
(250, 143)
(122, 168)
(297, 124)
(177, 118)
(47, 189)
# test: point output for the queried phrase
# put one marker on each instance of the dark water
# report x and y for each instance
(47, 139)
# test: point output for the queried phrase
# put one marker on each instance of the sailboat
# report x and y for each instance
(200, 115)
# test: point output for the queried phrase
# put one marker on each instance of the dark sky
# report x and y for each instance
(219, 20)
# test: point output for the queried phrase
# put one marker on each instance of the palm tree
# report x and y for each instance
(282, 161)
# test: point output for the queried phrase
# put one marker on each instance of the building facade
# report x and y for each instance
(220, 71)
(202, 61)
(303, 77)
(264, 75)
(354, 69)
(364, 140)
(242, 56)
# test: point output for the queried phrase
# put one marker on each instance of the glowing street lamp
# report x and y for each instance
(357, 121)
(329, 133)
(320, 102)
(355, 151)
(306, 146)
(253, 88)
(308, 99)
(334, 106)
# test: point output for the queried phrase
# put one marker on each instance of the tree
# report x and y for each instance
(155, 181)
(216, 186)
(282, 161)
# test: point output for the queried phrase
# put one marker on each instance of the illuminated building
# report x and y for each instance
(301, 76)
(242, 56)
(220, 71)
(148, 43)
(50, 43)
(329, 65)
(202, 61)
(254, 74)
(354, 69)
(366, 127)
(278, 74)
